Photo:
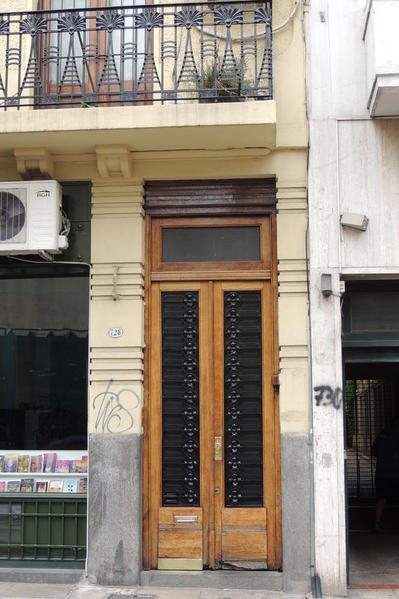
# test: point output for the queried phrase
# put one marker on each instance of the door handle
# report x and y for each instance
(218, 450)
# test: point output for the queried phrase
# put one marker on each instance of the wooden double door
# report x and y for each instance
(213, 444)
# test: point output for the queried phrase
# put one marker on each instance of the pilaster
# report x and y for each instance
(116, 373)
(292, 305)
(294, 381)
(117, 306)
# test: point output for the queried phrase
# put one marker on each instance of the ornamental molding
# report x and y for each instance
(34, 163)
(113, 161)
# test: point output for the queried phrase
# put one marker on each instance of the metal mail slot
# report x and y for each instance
(185, 518)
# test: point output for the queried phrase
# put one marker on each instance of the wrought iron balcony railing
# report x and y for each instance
(168, 53)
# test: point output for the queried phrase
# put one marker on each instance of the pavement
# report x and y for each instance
(84, 590)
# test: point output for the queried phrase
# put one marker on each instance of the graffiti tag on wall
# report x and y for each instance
(327, 396)
(114, 410)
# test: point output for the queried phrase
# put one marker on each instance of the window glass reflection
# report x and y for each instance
(43, 357)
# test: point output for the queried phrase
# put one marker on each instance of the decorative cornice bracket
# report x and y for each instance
(34, 163)
(113, 161)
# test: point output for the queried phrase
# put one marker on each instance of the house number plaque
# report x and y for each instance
(115, 332)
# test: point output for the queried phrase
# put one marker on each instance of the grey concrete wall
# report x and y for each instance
(296, 511)
(115, 509)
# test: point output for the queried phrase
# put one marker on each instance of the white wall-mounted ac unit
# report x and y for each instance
(31, 218)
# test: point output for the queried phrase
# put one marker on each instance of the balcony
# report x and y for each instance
(382, 51)
(136, 55)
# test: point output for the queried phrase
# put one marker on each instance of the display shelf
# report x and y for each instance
(68, 458)
(42, 475)
(24, 496)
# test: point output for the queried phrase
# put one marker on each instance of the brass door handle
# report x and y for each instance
(218, 449)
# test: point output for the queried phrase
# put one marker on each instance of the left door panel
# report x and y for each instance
(180, 496)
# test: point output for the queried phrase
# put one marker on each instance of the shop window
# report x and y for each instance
(44, 340)
(43, 352)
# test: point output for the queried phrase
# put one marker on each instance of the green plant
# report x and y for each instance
(85, 104)
(226, 83)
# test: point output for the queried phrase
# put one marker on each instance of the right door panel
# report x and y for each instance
(245, 479)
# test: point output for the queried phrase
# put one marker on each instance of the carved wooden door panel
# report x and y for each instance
(214, 477)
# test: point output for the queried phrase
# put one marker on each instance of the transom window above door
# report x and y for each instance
(209, 244)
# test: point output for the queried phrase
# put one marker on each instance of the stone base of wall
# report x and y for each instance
(115, 509)
(295, 473)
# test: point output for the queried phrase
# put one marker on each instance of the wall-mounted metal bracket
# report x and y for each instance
(115, 295)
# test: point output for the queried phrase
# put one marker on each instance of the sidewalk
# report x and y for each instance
(83, 590)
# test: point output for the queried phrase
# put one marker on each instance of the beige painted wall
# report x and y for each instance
(118, 234)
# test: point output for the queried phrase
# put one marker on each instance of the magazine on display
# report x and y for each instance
(23, 463)
(41, 487)
(27, 485)
(10, 462)
(62, 466)
(49, 462)
(70, 485)
(82, 486)
(13, 486)
(56, 486)
(36, 463)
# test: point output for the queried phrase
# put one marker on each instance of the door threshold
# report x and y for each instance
(214, 579)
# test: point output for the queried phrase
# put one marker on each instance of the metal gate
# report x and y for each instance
(369, 408)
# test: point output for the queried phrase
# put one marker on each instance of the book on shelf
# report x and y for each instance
(41, 486)
(10, 462)
(1, 463)
(56, 486)
(27, 485)
(23, 463)
(80, 466)
(49, 462)
(82, 486)
(13, 486)
(3, 485)
(36, 463)
(62, 466)
(70, 485)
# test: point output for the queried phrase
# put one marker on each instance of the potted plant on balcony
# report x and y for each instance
(225, 85)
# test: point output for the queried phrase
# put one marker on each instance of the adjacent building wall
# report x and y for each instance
(354, 165)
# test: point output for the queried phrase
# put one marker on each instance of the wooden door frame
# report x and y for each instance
(275, 553)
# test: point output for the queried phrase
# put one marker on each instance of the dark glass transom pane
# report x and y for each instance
(180, 399)
(243, 399)
(210, 244)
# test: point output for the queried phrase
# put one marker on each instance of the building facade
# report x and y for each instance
(179, 136)
(353, 214)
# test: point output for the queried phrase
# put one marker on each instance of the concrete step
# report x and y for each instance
(214, 579)
(41, 575)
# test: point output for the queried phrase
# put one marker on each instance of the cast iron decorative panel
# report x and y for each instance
(243, 399)
(180, 399)
(85, 56)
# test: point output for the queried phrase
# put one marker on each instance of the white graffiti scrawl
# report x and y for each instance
(114, 409)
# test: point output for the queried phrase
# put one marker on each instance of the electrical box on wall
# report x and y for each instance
(31, 218)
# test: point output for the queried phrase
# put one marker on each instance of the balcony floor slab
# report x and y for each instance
(249, 124)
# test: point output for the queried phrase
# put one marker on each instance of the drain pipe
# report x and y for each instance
(314, 577)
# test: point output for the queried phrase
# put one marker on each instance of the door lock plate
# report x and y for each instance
(218, 451)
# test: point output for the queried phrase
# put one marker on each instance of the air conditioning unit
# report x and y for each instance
(31, 218)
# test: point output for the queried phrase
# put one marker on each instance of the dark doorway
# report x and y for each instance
(371, 359)
(371, 393)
